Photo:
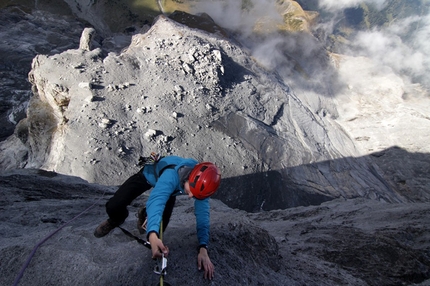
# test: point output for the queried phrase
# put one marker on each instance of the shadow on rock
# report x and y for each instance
(341, 242)
(378, 259)
(393, 175)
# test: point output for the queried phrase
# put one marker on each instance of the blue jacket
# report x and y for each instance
(169, 184)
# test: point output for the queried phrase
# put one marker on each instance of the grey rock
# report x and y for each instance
(288, 141)
(87, 36)
(325, 176)
(341, 242)
(25, 34)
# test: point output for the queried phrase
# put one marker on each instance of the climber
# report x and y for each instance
(169, 176)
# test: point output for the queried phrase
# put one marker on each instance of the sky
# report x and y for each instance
(386, 46)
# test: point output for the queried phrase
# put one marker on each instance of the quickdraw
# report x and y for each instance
(161, 264)
(160, 267)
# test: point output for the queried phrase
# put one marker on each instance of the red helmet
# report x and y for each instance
(204, 180)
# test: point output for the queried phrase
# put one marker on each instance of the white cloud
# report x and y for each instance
(398, 47)
(268, 53)
(229, 13)
(404, 49)
(335, 5)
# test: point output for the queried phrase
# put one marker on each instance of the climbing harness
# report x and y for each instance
(151, 159)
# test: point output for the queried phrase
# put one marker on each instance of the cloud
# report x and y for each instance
(336, 5)
(229, 14)
(403, 46)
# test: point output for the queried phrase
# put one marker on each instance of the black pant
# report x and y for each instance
(133, 187)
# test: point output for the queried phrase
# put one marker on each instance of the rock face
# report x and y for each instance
(342, 242)
(324, 157)
(195, 92)
(94, 114)
(24, 38)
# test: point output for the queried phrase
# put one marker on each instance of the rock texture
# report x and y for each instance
(95, 113)
(99, 107)
(342, 242)
(324, 157)
(25, 34)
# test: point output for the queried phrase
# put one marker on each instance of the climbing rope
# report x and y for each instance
(160, 267)
(24, 267)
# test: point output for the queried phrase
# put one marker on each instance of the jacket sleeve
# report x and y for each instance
(202, 213)
(164, 187)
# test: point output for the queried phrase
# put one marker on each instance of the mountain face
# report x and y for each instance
(341, 242)
(198, 93)
(94, 114)
(324, 157)
(24, 37)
